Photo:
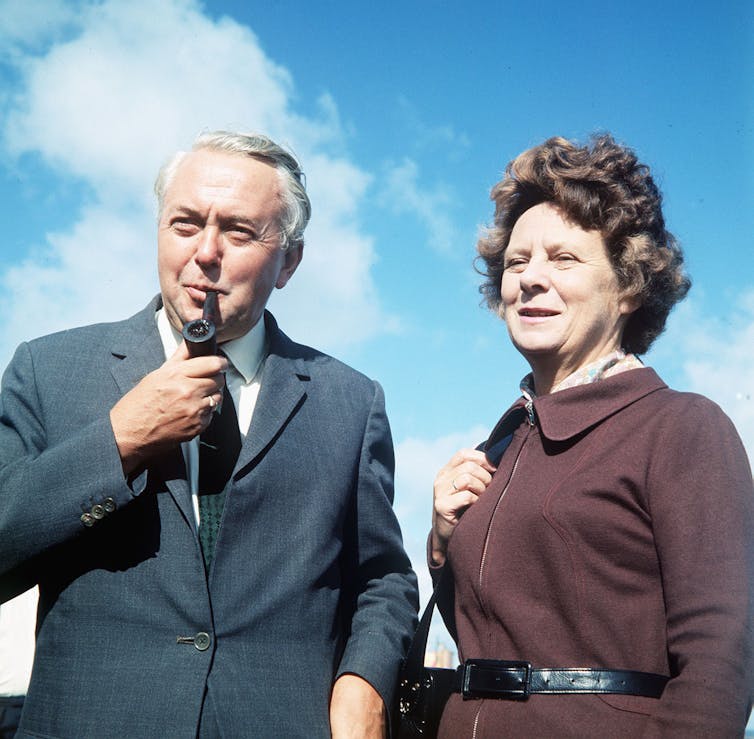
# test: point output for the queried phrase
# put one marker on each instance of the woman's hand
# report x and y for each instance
(457, 486)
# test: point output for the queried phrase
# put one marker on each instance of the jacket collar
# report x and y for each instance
(283, 387)
(567, 413)
(570, 412)
(138, 350)
(136, 342)
(285, 377)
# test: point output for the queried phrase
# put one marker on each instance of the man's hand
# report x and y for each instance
(356, 710)
(457, 486)
(170, 405)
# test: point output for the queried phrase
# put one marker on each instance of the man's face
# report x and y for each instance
(219, 230)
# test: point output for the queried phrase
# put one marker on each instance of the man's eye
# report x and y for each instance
(240, 235)
(184, 228)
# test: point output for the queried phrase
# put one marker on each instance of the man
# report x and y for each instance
(278, 606)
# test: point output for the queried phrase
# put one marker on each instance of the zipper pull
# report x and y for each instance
(530, 411)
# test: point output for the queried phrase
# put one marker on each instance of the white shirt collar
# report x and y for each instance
(245, 353)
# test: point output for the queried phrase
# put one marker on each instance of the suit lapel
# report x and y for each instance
(137, 351)
(283, 388)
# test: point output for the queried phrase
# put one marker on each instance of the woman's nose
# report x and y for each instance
(535, 276)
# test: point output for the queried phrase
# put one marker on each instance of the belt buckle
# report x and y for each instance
(496, 678)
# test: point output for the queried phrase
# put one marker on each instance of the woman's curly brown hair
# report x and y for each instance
(603, 187)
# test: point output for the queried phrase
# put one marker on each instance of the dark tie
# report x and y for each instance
(219, 446)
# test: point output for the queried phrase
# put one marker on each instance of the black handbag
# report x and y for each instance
(422, 692)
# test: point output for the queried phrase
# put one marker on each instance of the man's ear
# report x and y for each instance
(291, 259)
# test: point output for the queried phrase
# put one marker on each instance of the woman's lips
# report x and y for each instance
(536, 312)
(535, 315)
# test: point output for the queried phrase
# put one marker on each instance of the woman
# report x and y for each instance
(607, 523)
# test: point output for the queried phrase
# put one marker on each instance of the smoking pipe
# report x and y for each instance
(200, 333)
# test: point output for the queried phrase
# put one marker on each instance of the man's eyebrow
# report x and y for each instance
(225, 221)
(185, 210)
(231, 220)
(260, 227)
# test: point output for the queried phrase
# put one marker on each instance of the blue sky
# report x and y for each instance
(404, 115)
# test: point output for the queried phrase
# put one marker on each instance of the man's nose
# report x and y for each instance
(209, 251)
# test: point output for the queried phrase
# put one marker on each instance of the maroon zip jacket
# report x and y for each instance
(618, 532)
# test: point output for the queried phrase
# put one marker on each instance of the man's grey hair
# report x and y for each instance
(297, 208)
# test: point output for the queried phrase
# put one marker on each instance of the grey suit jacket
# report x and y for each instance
(309, 578)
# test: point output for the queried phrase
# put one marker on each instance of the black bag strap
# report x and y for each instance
(494, 447)
(414, 661)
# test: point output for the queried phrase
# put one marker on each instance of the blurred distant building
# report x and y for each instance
(440, 656)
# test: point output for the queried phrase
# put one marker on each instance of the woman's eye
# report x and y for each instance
(565, 258)
(514, 265)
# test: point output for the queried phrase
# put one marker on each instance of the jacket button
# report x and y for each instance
(87, 519)
(98, 512)
(201, 641)
(109, 505)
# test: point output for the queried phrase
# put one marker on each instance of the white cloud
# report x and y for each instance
(105, 107)
(102, 270)
(717, 356)
(417, 461)
(138, 80)
(403, 194)
(431, 135)
(27, 24)
(337, 274)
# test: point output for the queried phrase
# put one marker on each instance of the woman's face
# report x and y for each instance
(560, 295)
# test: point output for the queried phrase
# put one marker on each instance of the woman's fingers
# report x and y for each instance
(470, 455)
(468, 469)
(470, 478)
(457, 486)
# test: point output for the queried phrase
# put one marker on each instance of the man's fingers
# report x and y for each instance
(205, 367)
(180, 353)
(212, 364)
(213, 402)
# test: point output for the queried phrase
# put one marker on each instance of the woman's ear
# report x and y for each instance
(628, 304)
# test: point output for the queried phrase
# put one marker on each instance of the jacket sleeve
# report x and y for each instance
(701, 502)
(384, 596)
(51, 489)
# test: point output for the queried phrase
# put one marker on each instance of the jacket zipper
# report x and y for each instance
(530, 418)
(476, 719)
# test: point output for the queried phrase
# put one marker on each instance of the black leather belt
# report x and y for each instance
(493, 678)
